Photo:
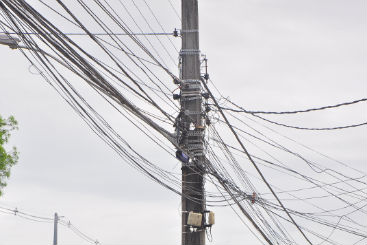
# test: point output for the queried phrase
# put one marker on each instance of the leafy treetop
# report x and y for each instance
(7, 158)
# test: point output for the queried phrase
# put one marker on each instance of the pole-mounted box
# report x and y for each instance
(195, 219)
(211, 219)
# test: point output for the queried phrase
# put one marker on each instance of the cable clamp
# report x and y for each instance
(195, 146)
(189, 31)
(193, 86)
(191, 81)
(187, 112)
(196, 94)
(195, 133)
(189, 52)
(197, 151)
(190, 98)
(189, 164)
(189, 90)
(199, 154)
(195, 142)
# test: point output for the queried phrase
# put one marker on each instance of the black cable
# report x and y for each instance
(105, 132)
(175, 10)
(241, 109)
(252, 161)
(94, 34)
(311, 129)
(254, 113)
(312, 165)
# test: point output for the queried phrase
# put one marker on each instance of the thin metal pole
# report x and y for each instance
(56, 220)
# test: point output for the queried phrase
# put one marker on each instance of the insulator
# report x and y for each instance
(176, 81)
(175, 33)
(205, 95)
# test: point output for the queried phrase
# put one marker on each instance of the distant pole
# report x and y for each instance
(56, 220)
(192, 123)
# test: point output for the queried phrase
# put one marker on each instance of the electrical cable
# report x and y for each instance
(252, 161)
(292, 112)
(93, 34)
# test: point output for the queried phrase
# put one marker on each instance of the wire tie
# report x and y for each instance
(189, 30)
(191, 80)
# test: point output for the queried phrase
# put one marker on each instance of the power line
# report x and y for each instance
(253, 162)
(43, 219)
(241, 109)
(104, 84)
(151, 29)
(254, 113)
(175, 10)
(311, 129)
(94, 34)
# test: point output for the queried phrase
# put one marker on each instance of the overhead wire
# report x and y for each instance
(150, 27)
(174, 9)
(235, 195)
(252, 161)
(115, 20)
(311, 164)
(291, 112)
(94, 34)
(255, 114)
(150, 43)
(42, 219)
(298, 198)
(160, 25)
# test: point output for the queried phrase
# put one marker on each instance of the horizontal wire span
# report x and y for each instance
(36, 218)
(241, 109)
(312, 129)
(254, 113)
(94, 34)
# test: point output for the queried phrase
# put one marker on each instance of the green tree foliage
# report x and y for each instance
(7, 158)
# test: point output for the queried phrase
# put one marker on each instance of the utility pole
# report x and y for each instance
(191, 124)
(56, 220)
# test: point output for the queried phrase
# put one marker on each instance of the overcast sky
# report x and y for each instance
(263, 54)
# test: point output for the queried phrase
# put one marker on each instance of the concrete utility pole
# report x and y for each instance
(191, 124)
(56, 221)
